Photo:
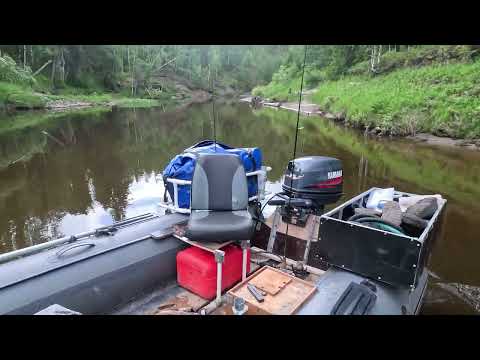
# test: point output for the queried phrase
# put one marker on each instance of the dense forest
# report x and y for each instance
(138, 71)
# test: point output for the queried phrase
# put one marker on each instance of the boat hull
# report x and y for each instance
(389, 300)
(93, 279)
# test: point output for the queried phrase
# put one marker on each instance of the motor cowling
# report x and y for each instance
(318, 178)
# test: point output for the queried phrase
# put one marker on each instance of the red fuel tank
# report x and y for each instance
(197, 269)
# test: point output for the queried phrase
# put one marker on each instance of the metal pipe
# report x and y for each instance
(219, 256)
(219, 283)
(245, 246)
(127, 221)
(49, 244)
(36, 248)
(244, 264)
(179, 181)
(175, 209)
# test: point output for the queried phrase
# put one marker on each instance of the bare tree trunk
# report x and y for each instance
(375, 58)
(133, 74)
(128, 58)
(379, 54)
(31, 56)
(52, 77)
(61, 65)
(114, 59)
(372, 58)
(24, 57)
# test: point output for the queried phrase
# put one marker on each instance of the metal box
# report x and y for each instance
(397, 260)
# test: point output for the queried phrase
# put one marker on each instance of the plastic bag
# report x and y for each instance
(378, 197)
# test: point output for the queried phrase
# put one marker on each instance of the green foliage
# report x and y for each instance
(20, 96)
(134, 69)
(23, 100)
(10, 72)
(415, 88)
(417, 56)
(441, 99)
(314, 76)
(286, 90)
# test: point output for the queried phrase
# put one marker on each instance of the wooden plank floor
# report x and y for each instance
(285, 300)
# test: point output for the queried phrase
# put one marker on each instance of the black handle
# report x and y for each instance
(300, 203)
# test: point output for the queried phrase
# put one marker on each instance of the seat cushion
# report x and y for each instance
(219, 226)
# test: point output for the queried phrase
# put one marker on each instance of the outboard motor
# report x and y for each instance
(309, 184)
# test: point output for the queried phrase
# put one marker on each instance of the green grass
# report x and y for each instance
(24, 97)
(416, 57)
(20, 96)
(440, 99)
(279, 91)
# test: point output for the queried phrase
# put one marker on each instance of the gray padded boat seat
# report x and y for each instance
(219, 200)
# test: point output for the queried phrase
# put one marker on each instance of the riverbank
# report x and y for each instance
(308, 108)
(17, 97)
(440, 99)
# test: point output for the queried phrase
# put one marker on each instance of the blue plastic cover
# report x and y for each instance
(182, 166)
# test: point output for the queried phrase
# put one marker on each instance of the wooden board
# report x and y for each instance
(270, 281)
(304, 233)
(284, 302)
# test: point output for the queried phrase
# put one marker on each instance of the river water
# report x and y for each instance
(65, 173)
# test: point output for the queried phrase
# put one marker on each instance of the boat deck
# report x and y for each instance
(172, 299)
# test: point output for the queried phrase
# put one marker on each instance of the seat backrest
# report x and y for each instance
(219, 183)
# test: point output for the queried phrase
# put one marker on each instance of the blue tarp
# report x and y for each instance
(182, 166)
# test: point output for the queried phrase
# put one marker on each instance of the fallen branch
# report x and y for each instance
(42, 67)
(168, 62)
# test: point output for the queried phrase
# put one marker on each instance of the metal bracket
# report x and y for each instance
(219, 257)
(313, 235)
(245, 245)
(273, 232)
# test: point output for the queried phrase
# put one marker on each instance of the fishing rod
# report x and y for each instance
(292, 167)
(213, 114)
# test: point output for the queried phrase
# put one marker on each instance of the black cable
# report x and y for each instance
(262, 208)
